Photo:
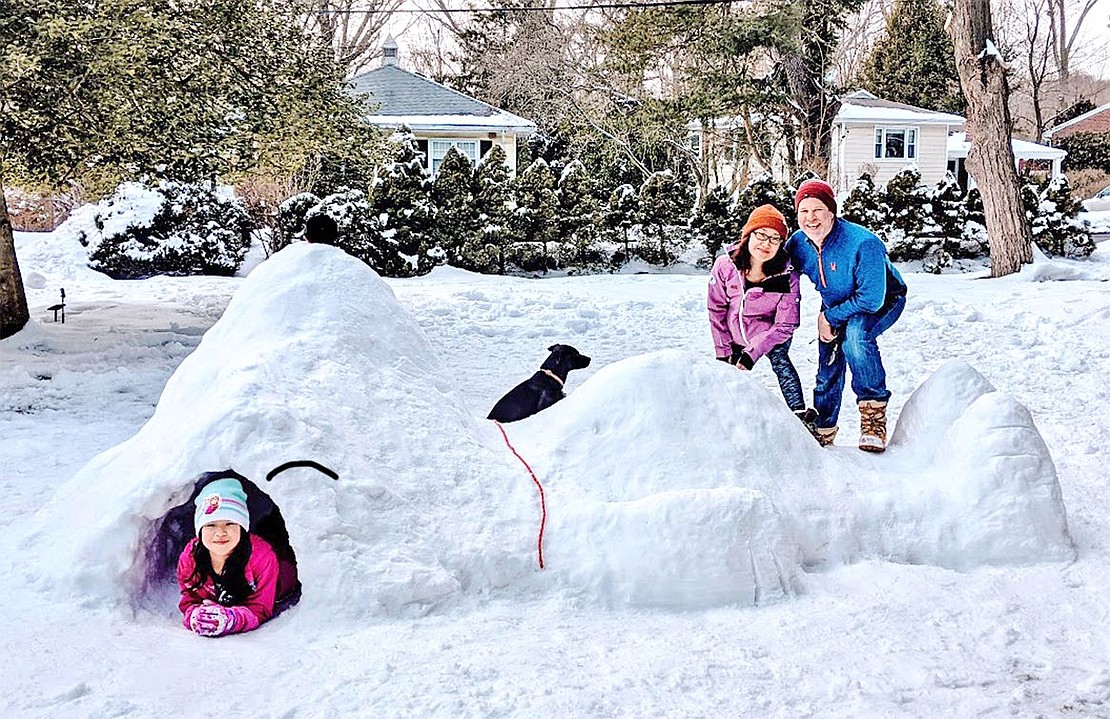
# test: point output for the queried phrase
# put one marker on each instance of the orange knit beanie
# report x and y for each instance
(764, 217)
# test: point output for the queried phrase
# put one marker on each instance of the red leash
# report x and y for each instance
(543, 502)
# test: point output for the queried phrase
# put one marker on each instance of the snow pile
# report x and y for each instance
(671, 479)
(984, 489)
(1058, 269)
(741, 493)
(313, 359)
(671, 469)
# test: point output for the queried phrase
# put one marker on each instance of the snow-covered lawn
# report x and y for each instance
(423, 599)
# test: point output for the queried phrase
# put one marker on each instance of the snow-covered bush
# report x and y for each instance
(578, 219)
(167, 228)
(402, 205)
(864, 204)
(1056, 227)
(456, 218)
(974, 241)
(533, 219)
(620, 217)
(908, 206)
(488, 249)
(949, 211)
(292, 214)
(361, 232)
(764, 190)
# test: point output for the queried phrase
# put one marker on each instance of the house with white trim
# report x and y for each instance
(439, 117)
(1096, 121)
(869, 135)
(880, 137)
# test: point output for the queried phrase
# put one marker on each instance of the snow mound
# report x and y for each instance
(1046, 269)
(313, 359)
(987, 490)
(967, 481)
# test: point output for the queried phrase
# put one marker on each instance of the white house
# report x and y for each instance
(439, 117)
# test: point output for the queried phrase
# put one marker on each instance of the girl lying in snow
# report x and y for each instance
(228, 576)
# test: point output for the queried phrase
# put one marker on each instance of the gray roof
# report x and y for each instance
(400, 92)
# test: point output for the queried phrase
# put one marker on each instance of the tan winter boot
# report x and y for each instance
(825, 435)
(872, 425)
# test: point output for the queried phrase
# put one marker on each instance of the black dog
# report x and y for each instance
(542, 389)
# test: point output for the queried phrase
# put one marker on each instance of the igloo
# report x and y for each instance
(670, 480)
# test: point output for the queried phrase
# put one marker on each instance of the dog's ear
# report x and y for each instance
(552, 348)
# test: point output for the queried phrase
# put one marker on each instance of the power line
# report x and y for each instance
(597, 6)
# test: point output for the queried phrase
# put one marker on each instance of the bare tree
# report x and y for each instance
(1037, 48)
(861, 31)
(353, 28)
(1063, 37)
(991, 157)
(429, 48)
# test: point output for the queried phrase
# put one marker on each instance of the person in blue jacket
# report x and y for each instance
(862, 295)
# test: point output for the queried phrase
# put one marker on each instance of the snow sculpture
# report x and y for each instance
(967, 481)
(313, 359)
(671, 479)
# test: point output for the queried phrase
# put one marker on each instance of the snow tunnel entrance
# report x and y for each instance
(177, 529)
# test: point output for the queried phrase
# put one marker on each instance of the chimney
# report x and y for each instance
(389, 51)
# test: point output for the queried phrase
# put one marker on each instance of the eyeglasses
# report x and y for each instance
(769, 238)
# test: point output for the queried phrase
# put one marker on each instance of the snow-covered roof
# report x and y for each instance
(502, 121)
(958, 146)
(862, 107)
(408, 98)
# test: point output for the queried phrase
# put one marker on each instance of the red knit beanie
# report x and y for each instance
(764, 217)
(819, 189)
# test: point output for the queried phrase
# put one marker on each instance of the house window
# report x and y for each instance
(469, 149)
(695, 143)
(895, 143)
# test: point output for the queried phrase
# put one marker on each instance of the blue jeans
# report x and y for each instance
(856, 347)
(789, 382)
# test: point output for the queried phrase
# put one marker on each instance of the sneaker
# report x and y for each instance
(872, 425)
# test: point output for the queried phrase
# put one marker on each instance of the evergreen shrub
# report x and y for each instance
(167, 228)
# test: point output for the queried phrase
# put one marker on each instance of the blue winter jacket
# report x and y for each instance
(851, 271)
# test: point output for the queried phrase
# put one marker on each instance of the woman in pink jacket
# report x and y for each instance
(754, 304)
(228, 576)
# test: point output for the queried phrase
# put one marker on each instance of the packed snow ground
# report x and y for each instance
(856, 635)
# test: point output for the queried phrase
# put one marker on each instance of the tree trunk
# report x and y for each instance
(13, 300)
(991, 157)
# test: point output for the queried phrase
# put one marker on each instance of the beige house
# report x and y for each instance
(869, 135)
(880, 137)
(439, 117)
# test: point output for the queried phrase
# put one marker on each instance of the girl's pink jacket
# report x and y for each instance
(758, 321)
(261, 573)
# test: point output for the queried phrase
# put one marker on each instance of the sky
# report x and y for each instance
(702, 555)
